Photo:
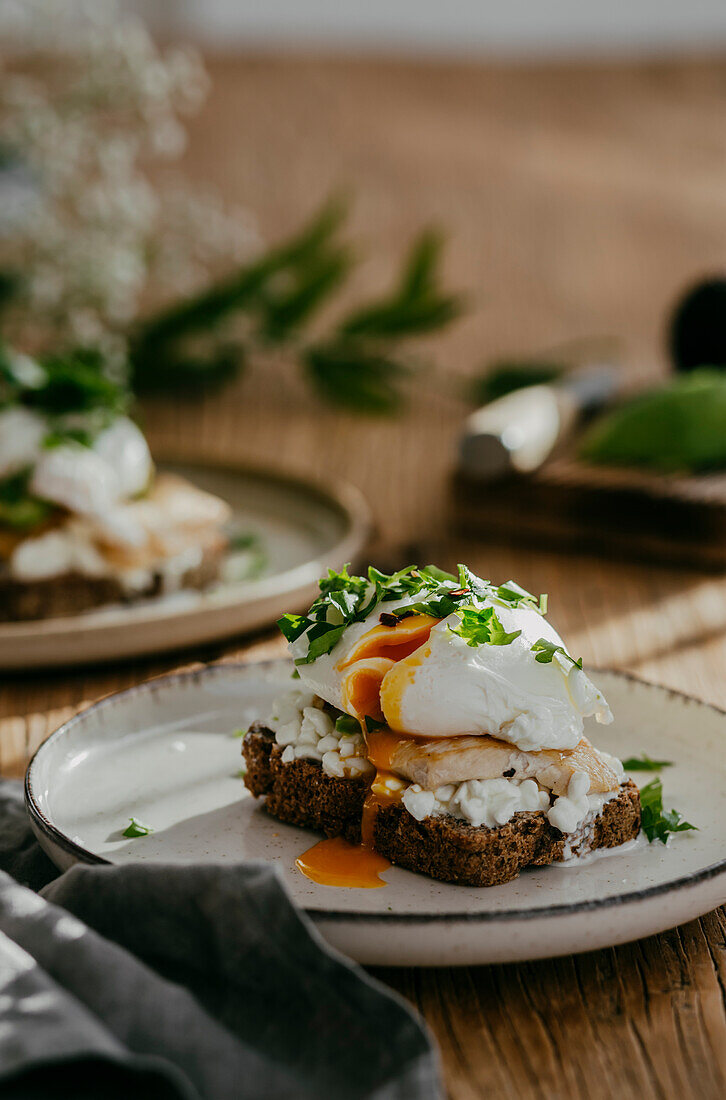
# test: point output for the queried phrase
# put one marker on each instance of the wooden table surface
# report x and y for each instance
(579, 200)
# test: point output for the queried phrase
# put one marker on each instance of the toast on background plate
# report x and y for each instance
(439, 722)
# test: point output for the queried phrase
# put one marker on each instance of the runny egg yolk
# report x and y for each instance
(369, 666)
(394, 684)
(361, 687)
(367, 671)
(395, 642)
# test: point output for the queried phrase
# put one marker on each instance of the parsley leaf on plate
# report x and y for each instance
(645, 764)
(657, 823)
(136, 828)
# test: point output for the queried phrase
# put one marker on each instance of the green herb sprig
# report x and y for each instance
(358, 365)
(645, 764)
(657, 824)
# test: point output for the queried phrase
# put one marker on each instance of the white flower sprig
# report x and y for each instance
(87, 101)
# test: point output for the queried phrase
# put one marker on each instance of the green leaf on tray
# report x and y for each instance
(136, 828)
(656, 823)
(507, 376)
(645, 764)
(678, 427)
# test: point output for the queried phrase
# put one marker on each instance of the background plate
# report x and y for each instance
(165, 752)
(304, 527)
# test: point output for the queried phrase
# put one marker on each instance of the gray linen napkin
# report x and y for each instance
(200, 982)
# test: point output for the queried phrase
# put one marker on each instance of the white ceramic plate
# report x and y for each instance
(302, 528)
(165, 753)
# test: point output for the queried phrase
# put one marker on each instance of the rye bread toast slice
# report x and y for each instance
(71, 593)
(300, 793)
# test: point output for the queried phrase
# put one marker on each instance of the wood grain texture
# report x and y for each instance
(579, 200)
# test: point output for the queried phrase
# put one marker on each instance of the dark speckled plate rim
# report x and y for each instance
(159, 683)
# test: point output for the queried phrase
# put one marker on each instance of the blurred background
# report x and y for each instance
(463, 26)
(430, 197)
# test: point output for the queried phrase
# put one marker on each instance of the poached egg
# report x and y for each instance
(87, 481)
(424, 680)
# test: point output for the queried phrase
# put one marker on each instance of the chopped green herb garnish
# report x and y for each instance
(440, 607)
(250, 555)
(135, 828)
(292, 626)
(346, 723)
(438, 574)
(481, 626)
(510, 593)
(240, 774)
(373, 724)
(295, 674)
(240, 733)
(469, 580)
(544, 652)
(60, 436)
(346, 598)
(322, 637)
(76, 382)
(655, 822)
(645, 764)
(513, 594)
(19, 509)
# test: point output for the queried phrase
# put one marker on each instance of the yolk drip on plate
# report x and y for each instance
(335, 862)
(378, 655)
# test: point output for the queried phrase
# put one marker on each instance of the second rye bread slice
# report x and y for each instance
(71, 593)
(300, 793)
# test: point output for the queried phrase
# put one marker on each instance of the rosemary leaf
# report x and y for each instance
(349, 374)
(415, 306)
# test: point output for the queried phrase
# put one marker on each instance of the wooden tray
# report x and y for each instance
(568, 505)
